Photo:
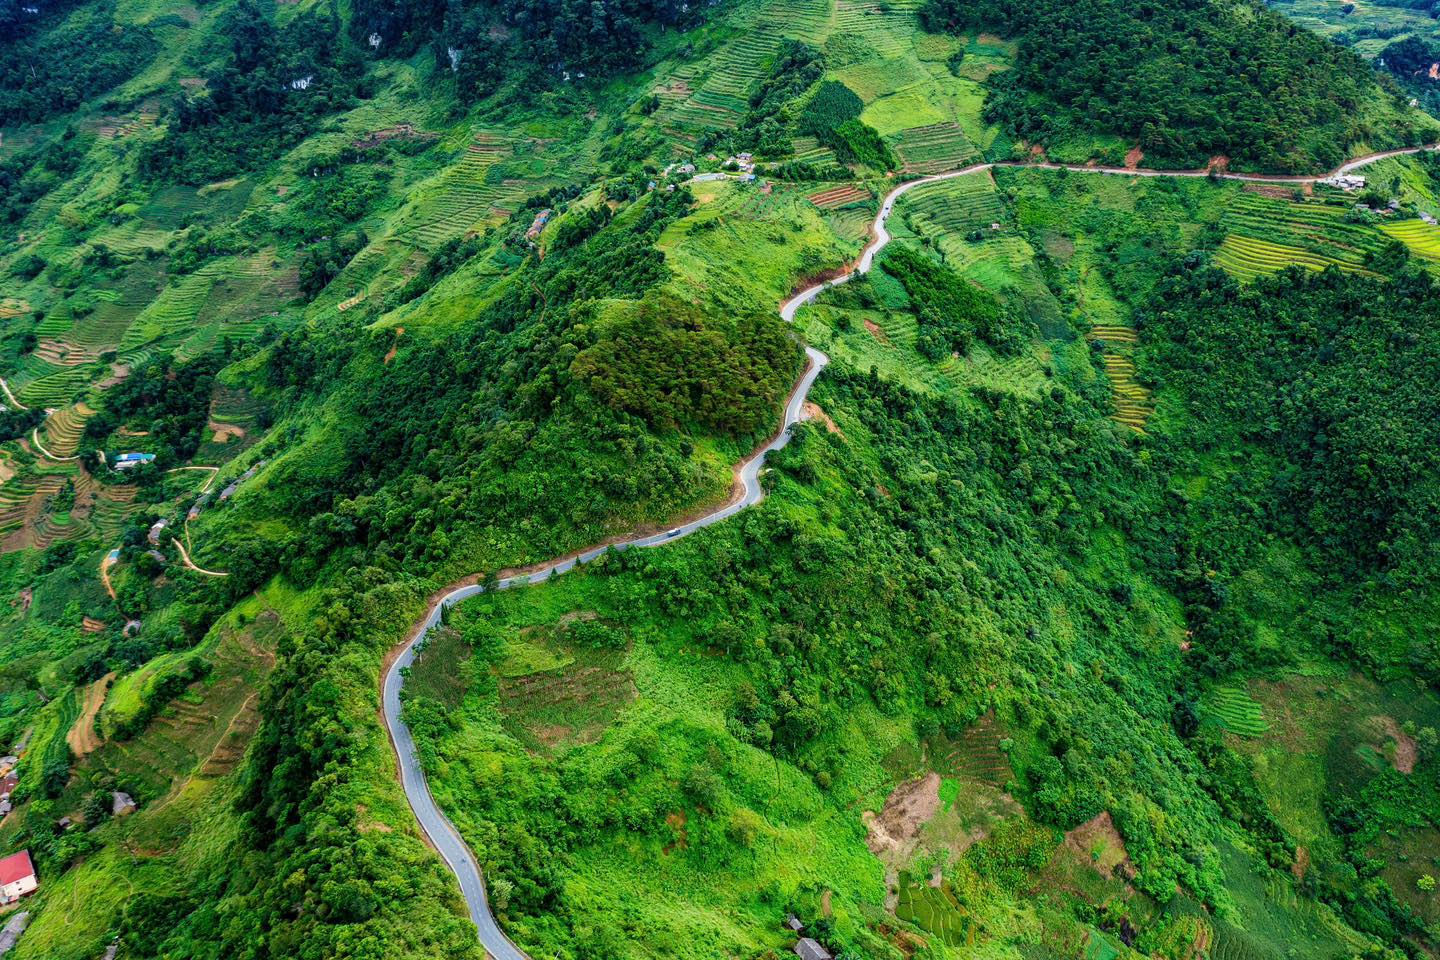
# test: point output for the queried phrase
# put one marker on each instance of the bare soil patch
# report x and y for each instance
(873, 328)
(1098, 841)
(1405, 752)
(894, 831)
(223, 432)
(82, 737)
(1133, 158)
(394, 346)
(813, 411)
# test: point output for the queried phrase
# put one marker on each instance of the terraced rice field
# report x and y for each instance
(1421, 238)
(1233, 709)
(1133, 403)
(204, 731)
(833, 198)
(469, 194)
(62, 429)
(723, 95)
(955, 206)
(933, 148)
(936, 910)
(1268, 234)
(886, 28)
(1246, 258)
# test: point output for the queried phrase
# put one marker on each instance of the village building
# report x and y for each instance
(809, 949)
(121, 804)
(8, 783)
(17, 877)
(8, 763)
(793, 922)
(127, 460)
(154, 535)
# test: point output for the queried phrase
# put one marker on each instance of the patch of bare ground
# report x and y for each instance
(368, 824)
(82, 737)
(1219, 163)
(873, 328)
(1097, 841)
(1301, 866)
(894, 833)
(1134, 158)
(223, 432)
(394, 346)
(1403, 753)
(813, 411)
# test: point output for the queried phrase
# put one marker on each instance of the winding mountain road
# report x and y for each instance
(746, 492)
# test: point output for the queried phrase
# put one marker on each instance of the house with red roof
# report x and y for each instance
(17, 877)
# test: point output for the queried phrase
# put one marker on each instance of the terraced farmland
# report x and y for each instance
(1246, 258)
(936, 910)
(955, 206)
(975, 754)
(1421, 238)
(1234, 710)
(886, 28)
(468, 195)
(205, 729)
(833, 198)
(933, 148)
(723, 96)
(62, 429)
(1268, 234)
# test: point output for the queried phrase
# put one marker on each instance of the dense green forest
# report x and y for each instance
(1090, 613)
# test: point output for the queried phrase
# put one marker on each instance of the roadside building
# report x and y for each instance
(17, 877)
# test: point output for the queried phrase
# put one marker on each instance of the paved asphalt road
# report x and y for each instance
(437, 827)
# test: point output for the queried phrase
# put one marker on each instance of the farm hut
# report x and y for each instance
(793, 922)
(5, 808)
(11, 934)
(64, 823)
(7, 764)
(8, 785)
(155, 528)
(17, 877)
(809, 949)
(121, 804)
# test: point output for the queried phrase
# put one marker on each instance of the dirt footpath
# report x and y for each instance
(82, 737)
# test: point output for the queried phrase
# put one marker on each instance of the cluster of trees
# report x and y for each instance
(269, 93)
(169, 398)
(951, 311)
(51, 71)
(1234, 79)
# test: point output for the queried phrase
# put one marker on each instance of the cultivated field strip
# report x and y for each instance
(1421, 238)
(933, 148)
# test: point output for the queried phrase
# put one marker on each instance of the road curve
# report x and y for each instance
(437, 827)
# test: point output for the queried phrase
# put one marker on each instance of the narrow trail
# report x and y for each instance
(747, 492)
(214, 471)
(190, 565)
(109, 561)
(13, 402)
(35, 439)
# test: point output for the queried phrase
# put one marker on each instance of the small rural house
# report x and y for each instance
(17, 877)
(127, 460)
(793, 922)
(809, 949)
(121, 804)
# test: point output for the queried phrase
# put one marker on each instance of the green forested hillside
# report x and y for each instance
(1090, 613)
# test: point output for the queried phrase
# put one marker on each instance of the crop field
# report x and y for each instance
(1316, 226)
(934, 148)
(470, 194)
(205, 729)
(722, 95)
(1246, 258)
(886, 28)
(975, 754)
(1420, 238)
(954, 207)
(1133, 404)
(1234, 710)
(62, 429)
(935, 909)
(809, 150)
(833, 198)
(569, 698)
